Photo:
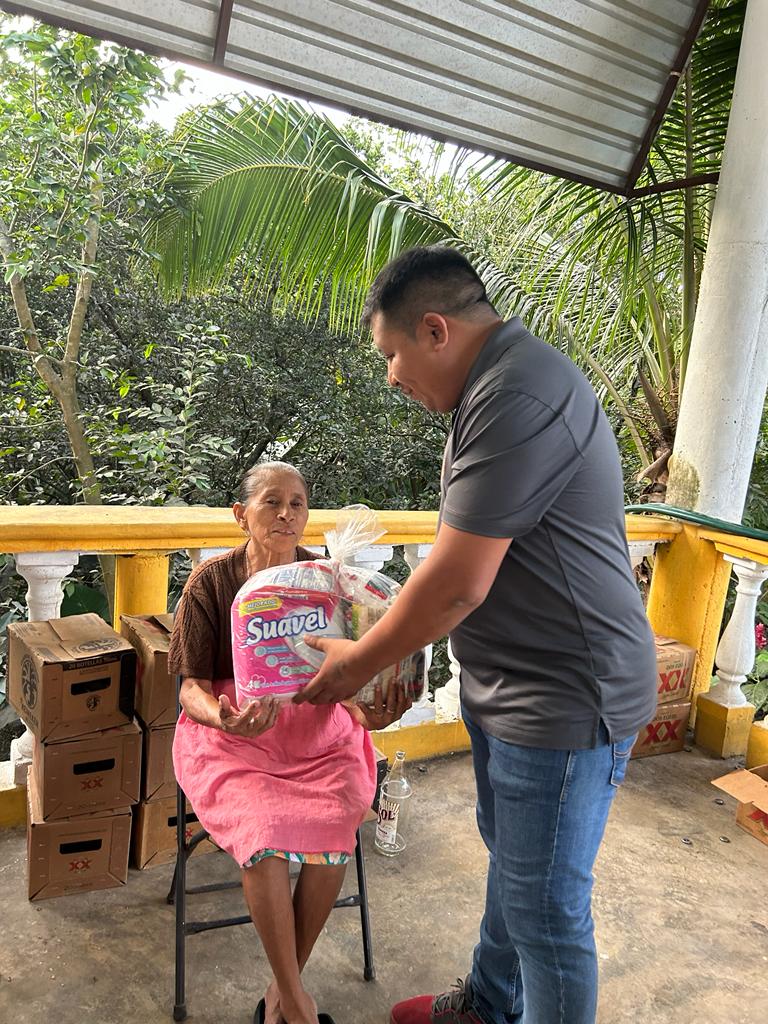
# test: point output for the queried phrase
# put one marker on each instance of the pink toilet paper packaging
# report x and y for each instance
(277, 607)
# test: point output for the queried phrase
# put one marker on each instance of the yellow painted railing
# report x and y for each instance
(142, 537)
(132, 528)
(688, 591)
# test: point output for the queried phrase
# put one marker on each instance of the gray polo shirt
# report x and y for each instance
(562, 642)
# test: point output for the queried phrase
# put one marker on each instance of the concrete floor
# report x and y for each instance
(682, 929)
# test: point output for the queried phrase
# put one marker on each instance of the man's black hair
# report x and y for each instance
(426, 279)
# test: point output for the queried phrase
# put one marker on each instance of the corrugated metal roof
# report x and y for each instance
(574, 87)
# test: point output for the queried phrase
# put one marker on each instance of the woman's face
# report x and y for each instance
(275, 515)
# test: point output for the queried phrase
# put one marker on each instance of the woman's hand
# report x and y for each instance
(379, 715)
(253, 720)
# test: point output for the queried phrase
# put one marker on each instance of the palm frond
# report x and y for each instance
(275, 187)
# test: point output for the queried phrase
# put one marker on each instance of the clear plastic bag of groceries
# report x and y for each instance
(328, 597)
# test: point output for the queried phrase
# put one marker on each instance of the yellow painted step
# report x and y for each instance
(13, 799)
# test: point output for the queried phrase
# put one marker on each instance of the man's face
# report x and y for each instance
(416, 364)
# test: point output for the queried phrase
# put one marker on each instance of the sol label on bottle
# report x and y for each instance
(386, 827)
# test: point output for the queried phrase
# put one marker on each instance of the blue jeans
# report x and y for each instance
(542, 815)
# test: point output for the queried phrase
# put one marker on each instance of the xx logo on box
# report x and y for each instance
(761, 817)
(674, 680)
(662, 732)
(80, 865)
(96, 783)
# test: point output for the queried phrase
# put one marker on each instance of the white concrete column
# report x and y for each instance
(727, 373)
(447, 706)
(735, 655)
(44, 572)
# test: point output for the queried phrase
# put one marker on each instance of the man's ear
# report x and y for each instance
(434, 328)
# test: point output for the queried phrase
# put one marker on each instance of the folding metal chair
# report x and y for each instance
(180, 890)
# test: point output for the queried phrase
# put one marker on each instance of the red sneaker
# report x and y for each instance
(448, 1008)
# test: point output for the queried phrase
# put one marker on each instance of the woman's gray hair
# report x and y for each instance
(254, 478)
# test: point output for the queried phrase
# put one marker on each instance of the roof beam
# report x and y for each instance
(222, 31)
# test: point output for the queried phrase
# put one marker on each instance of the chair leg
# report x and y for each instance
(369, 970)
(171, 897)
(180, 881)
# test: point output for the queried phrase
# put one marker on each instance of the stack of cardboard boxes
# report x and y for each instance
(666, 733)
(77, 683)
(154, 827)
(72, 681)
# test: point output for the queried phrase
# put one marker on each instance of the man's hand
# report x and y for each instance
(252, 721)
(336, 680)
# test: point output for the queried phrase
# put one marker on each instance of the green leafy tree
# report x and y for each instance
(614, 281)
(73, 167)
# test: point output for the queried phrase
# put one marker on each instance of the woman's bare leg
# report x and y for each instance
(317, 889)
(267, 891)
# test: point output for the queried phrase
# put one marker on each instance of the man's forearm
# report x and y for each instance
(428, 607)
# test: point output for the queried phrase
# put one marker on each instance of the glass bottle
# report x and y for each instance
(394, 801)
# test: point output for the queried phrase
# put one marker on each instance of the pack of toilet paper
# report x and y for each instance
(331, 597)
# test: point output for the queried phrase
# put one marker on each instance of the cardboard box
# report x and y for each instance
(666, 733)
(68, 677)
(156, 703)
(154, 833)
(98, 772)
(674, 665)
(158, 780)
(750, 787)
(76, 854)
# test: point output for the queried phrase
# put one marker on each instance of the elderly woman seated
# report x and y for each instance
(273, 782)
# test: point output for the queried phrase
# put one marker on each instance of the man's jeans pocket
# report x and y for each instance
(621, 754)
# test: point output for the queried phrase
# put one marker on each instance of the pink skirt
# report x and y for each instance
(304, 785)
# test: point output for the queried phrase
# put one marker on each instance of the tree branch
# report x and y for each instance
(27, 321)
(19, 351)
(84, 283)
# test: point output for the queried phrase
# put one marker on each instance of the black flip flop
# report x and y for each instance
(261, 1010)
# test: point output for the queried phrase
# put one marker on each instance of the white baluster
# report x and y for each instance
(640, 549)
(198, 555)
(423, 710)
(44, 572)
(736, 651)
(374, 557)
(447, 706)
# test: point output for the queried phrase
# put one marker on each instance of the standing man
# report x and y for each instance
(530, 575)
